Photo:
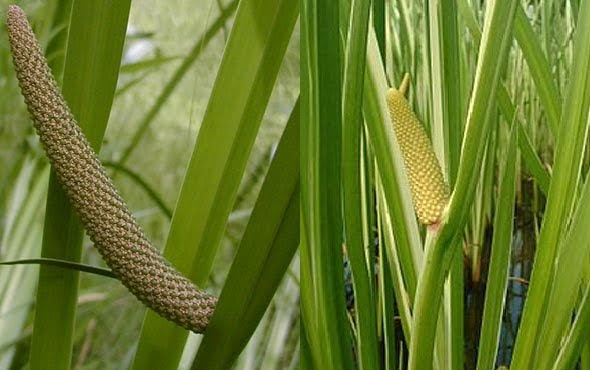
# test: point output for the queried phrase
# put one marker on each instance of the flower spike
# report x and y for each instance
(429, 191)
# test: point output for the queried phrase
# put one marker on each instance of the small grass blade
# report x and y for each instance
(63, 264)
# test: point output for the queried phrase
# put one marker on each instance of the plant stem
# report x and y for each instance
(427, 303)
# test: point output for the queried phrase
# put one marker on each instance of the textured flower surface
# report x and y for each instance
(429, 190)
(106, 217)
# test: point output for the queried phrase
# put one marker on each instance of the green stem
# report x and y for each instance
(427, 303)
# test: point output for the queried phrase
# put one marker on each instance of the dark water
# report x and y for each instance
(522, 257)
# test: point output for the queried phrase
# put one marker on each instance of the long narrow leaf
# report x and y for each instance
(95, 44)
(246, 76)
(354, 72)
(573, 129)
(267, 247)
(390, 163)
(499, 261)
(321, 150)
(539, 67)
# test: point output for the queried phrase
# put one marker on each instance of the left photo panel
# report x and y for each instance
(150, 188)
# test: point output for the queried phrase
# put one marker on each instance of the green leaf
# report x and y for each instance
(267, 247)
(95, 44)
(499, 261)
(447, 134)
(539, 68)
(573, 258)
(322, 286)
(252, 57)
(566, 176)
(146, 64)
(352, 202)
(62, 264)
(392, 173)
